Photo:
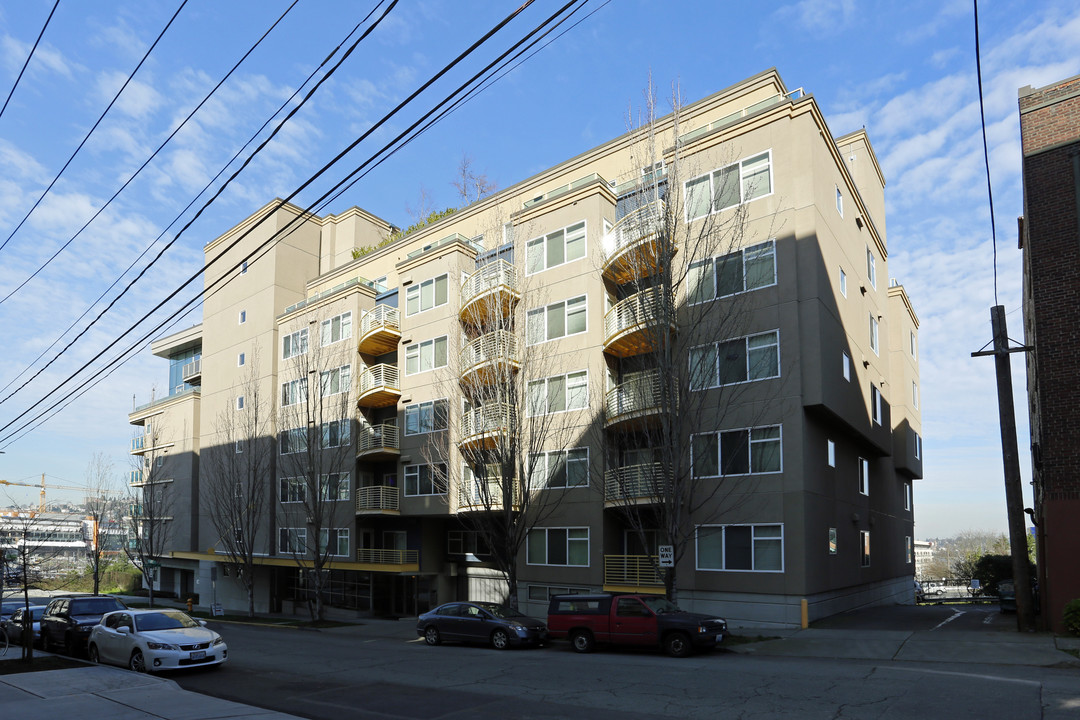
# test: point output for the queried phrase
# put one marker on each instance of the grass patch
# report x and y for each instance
(39, 664)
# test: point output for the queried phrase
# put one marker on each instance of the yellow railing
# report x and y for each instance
(491, 276)
(642, 223)
(486, 494)
(381, 317)
(495, 417)
(640, 395)
(641, 308)
(376, 497)
(635, 481)
(631, 570)
(378, 376)
(378, 437)
(501, 345)
(388, 557)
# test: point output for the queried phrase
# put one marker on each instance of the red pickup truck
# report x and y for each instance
(630, 619)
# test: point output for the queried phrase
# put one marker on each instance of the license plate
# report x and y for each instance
(198, 655)
(720, 638)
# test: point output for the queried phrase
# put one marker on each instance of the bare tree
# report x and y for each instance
(102, 504)
(316, 456)
(150, 509)
(470, 184)
(679, 264)
(237, 480)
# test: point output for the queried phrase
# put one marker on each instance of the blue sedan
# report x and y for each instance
(482, 622)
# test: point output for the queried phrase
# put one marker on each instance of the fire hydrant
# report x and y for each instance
(189, 603)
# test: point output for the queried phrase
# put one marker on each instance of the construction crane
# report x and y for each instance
(41, 501)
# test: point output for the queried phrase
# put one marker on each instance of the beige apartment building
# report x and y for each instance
(681, 343)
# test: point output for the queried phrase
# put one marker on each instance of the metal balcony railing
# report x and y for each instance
(485, 493)
(633, 228)
(498, 346)
(135, 477)
(637, 396)
(378, 437)
(635, 482)
(376, 497)
(388, 557)
(487, 419)
(381, 317)
(635, 570)
(642, 309)
(494, 275)
(139, 442)
(191, 370)
(379, 376)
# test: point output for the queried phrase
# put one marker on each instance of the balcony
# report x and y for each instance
(377, 500)
(481, 494)
(192, 372)
(378, 442)
(140, 443)
(402, 559)
(635, 485)
(379, 386)
(634, 325)
(489, 293)
(633, 403)
(380, 330)
(633, 248)
(630, 573)
(135, 478)
(489, 358)
(482, 427)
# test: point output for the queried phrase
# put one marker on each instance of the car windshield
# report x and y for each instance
(94, 606)
(503, 612)
(165, 620)
(660, 605)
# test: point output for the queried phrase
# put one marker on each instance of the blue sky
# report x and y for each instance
(905, 71)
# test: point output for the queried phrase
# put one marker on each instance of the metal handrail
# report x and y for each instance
(637, 395)
(489, 277)
(379, 318)
(490, 347)
(641, 308)
(377, 437)
(494, 417)
(632, 228)
(379, 376)
(388, 557)
(631, 570)
(377, 497)
(191, 369)
(635, 481)
(471, 493)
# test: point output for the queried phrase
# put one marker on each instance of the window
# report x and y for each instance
(292, 490)
(426, 295)
(914, 395)
(559, 469)
(847, 367)
(864, 476)
(832, 453)
(746, 451)
(334, 486)
(425, 479)
(558, 546)
(843, 282)
(557, 320)
(292, 540)
(911, 344)
(240, 360)
(462, 542)
(909, 554)
(737, 183)
(748, 269)
(242, 318)
(240, 402)
(425, 417)
(293, 441)
(871, 268)
(755, 357)
(839, 202)
(907, 496)
(754, 548)
(554, 249)
(334, 541)
(335, 433)
(864, 545)
(425, 356)
(559, 393)
(875, 404)
(294, 344)
(336, 381)
(874, 334)
(238, 446)
(243, 268)
(293, 392)
(543, 593)
(918, 445)
(336, 329)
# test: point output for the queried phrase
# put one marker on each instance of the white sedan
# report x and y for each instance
(152, 640)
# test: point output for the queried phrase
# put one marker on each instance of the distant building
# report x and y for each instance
(53, 539)
(924, 555)
(1050, 137)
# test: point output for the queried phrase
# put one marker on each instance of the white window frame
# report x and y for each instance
(339, 533)
(242, 317)
(344, 433)
(695, 287)
(864, 476)
(240, 359)
(874, 329)
(913, 346)
(907, 496)
(243, 268)
(540, 314)
(843, 282)
(847, 366)
(326, 329)
(300, 440)
(875, 404)
(547, 463)
(754, 539)
(571, 233)
(909, 550)
(750, 442)
(294, 344)
(292, 490)
(295, 541)
(415, 352)
(339, 482)
(587, 539)
(343, 375)
(839, 201)
(864, 548)
(871, 267)
(416, 293)
(747, 350)
(579, 388)
(413, 473)
(715, 194)
(294, 392)
(425, 414)
(831, 453)
(238, 447)
(239, 402)
(915, 394)
(918, 446)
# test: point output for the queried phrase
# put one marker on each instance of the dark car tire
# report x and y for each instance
(500, 639)
(92, 654)
(583, 641)
(137, 662)
(677, 644)
(431, 635)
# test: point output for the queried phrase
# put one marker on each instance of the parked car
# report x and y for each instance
(153, 640)
(631, 619)
(1006, 591)
(7, 607)
(67, 621)
(500, 625)
(13, 624)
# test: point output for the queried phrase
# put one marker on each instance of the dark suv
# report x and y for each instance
(67, 621)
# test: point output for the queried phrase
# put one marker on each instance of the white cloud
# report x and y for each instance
(821, 17)
(138, 99)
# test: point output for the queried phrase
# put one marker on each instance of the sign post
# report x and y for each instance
(667, 556)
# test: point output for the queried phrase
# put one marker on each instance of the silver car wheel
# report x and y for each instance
(137, 661)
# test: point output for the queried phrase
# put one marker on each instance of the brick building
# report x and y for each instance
(1050, 238)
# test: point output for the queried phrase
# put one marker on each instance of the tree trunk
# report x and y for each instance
(150, 588)
(512, 586)
(251, 598)
(97, 577)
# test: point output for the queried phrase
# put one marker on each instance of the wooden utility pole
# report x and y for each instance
(1014, 496)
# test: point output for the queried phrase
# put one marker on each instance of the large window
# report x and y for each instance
(864, 476)
(294, 344)
(334, 486)
(746, 451)
(864, 548)
(293, 392)
(425, 479)
(336, 329)
(334, 541)
(292, 541)
(292, 490)
(425, 356)
(559, 393)
(755, 357)
(336, 381)
(553, 249)
(461, 542)
(426, 417)
(747, 269)
(426, 295)
(566, 317)
(335, 433)
(293, 441)
(559, 469)
(754, 548)
(727, 187)
(558, 546)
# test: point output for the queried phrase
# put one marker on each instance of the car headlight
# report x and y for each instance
(161, 646)
(219, 640)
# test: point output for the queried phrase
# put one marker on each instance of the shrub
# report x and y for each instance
(1072, 616)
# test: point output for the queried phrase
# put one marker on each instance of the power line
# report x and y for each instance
(32, 50)
(153, 154)
(92, 129)
(986, 153)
